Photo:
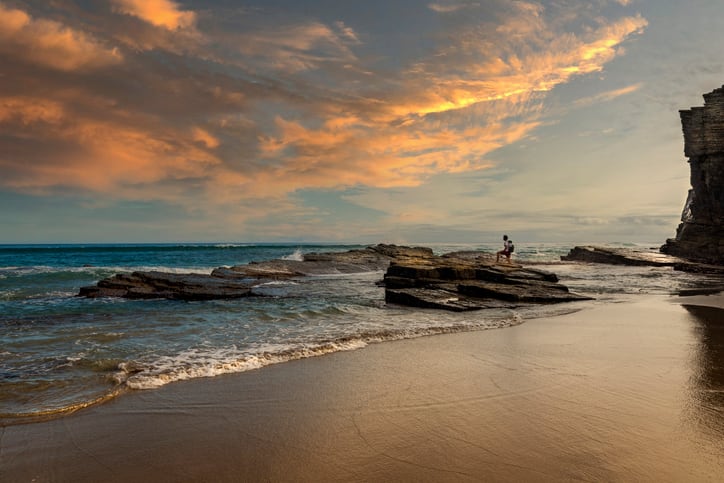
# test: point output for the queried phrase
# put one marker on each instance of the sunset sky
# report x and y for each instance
(402, 121)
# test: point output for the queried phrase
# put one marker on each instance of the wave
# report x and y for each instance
(197, 363)
(52, 413)
(296, 256)
(156, 371)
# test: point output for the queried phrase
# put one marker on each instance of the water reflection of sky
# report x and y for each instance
(707, 382)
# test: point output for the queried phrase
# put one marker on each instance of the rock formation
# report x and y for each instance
(239, 281)
(638, 257)
(620, 256)
(700, 236)
(414, 277)
(463, 281)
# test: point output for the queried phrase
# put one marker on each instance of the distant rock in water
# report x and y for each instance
(700, 236)
(639, 258)
(619, 256)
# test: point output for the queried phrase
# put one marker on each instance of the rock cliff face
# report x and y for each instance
(700, 236)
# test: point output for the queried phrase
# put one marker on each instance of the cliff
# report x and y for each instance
(700, 236)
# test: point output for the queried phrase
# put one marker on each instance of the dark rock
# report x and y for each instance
(702, 268)
(238, 281)
(414, 276)
(700, 236)
(639, 257)
(620, 256)
(144, 285)
(451, 283)
(543, 293)
(441, 300)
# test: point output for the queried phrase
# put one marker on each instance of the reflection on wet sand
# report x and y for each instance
(707, 380)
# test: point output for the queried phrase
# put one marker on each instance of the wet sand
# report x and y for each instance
(630, 391)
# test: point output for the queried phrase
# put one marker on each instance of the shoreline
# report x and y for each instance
(631, 390)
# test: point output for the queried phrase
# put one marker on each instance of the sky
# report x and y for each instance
(396, 121)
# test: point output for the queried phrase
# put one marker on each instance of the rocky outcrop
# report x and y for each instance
(620, 256)
(151, 285)
(700, 236)
(638, 257)
(239, 281)
(461, 283)
(414, 277)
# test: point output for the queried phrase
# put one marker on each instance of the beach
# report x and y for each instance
(625, 391)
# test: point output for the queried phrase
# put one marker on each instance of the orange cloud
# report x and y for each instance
(27, 110)
(510, 74)
(50, 43)
(203, 136)
(379, 155)
(447, 8)
(441, 122)
(107, 155)
(161, 13)
(609, 95)
(277, 131)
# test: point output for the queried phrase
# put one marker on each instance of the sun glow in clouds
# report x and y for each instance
(249, 106)
(51, 44)
(161, 13)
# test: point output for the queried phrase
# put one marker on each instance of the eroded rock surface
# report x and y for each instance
(461, 283)
(239, 281)
(414, 277)
(620, 256)
(700, 236)
(638, 257)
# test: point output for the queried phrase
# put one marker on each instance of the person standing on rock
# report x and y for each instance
(506, 251)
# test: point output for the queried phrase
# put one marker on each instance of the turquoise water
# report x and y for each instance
(59, 352)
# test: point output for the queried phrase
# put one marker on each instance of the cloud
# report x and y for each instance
(449, 7)
(347, 32)
(272, 106)
(51, 44)
(608, 95)
(96, 154)
(203, 136)
(529, 57)
(161, 13)
(449, 111)
(28, 111)
(293, 48)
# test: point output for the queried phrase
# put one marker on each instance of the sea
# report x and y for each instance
(60, 352)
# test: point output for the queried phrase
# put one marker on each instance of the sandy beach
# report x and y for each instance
(628, 391)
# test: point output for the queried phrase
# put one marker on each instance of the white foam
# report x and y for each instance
(277, 282)
(155, 268)
(296, 256)
(196, 363)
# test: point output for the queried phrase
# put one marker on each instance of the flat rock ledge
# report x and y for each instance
(239, 281)
(638, 257)
(414, 277)
(470, 281)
